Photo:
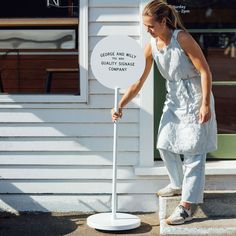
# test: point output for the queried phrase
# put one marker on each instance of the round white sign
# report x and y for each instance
(117, 61)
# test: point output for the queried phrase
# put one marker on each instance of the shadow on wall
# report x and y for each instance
(47, 148)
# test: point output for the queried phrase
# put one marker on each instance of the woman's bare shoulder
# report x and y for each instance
(185, 39)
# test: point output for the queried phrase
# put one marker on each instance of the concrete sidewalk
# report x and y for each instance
(70, 224)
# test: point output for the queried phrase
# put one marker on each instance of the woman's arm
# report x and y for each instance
(195, 54)
(133, 90)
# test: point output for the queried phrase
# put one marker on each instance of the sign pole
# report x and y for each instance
(114, 175)
(117, 62)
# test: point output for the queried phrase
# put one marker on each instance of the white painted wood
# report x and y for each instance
(212, 168)
(42, 98)
(93, 40)
(95, 102)
(113, 3)
(83, 50)
(99, 186)
(66, 172)
(78, 186)
(104, 29)
(19, 106)
(63, 144)
(110, 14)
(67, 130)
(78, 203)
(67, 144)
(67, 158)
(146, 108)
(60, 115)
(98, 88)
(59, 148)
(105, 101)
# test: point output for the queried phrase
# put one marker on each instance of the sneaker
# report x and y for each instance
(168, 191)
(179, 216)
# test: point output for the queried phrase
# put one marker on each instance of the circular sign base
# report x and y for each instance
(104, 221)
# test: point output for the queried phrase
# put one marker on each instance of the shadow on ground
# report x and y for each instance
(37, 224)
(70, 224)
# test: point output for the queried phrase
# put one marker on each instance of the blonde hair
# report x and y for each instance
(160, 9)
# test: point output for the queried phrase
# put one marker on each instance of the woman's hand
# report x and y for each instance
(204, 114)
(116, 115)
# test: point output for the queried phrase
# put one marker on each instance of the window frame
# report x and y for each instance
(83, 68)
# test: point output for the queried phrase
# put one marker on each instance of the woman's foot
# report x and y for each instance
(168, 191)
(179, 216)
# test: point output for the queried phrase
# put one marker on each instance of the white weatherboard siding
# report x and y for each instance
(57, 155)
(56, 151)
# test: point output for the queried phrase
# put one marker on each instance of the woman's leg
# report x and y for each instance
(174, 167)
(194, 179)
(192, 188)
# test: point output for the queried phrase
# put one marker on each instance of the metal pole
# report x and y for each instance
(114, 177)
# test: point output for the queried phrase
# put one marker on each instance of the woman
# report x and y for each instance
(188, 124)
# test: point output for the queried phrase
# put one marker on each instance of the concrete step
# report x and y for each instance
(201, 226)
(216, 216)
(216, 203)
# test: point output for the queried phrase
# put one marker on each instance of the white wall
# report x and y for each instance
(58, 156)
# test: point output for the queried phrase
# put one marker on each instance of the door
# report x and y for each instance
(220, 52)
(213, 25)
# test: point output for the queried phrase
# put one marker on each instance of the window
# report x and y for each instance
(39, 8)
(210, 14)
(39, 49)
(213, 24)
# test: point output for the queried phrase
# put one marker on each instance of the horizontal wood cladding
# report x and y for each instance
(62, 101)
(69, 172)
(57, 158)
(87, 144)
(102, 186)
(104, 29)
(96, 101)
(93, 40)
(109, 14)
(92, 186)
(64, 116)
(27, 73)
(64, 149)
(78, 202)
(67, 130)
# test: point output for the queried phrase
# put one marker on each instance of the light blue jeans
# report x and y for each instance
(188, 175)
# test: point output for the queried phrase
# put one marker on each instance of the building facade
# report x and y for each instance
(56, 149)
